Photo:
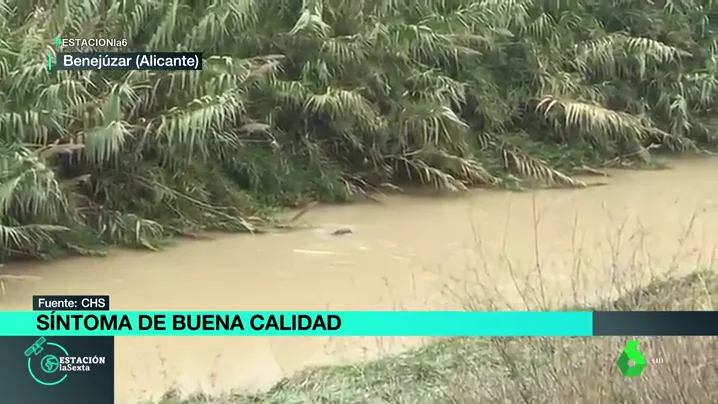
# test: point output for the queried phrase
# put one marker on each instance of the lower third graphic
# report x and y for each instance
(50, 364)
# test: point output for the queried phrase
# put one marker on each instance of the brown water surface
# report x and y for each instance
(406, 253)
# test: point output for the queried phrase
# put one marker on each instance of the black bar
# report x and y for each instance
(655, 323)
(71, 303)
(129, 61)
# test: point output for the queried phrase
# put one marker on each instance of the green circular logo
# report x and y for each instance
(50, 364)
(46, 367)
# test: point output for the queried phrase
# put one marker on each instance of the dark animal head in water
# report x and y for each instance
(342, 231)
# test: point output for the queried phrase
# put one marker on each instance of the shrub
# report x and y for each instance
(325, 100)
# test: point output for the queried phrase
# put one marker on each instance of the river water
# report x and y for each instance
(514, 250)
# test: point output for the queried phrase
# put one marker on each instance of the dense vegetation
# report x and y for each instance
(328, 99)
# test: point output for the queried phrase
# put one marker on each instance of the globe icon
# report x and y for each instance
(50, 364)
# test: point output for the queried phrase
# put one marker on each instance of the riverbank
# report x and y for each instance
(540, 370)
(560, 246)
(330, 106)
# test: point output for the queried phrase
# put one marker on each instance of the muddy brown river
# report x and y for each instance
(517, 250)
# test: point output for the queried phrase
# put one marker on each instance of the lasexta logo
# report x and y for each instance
(631, 362)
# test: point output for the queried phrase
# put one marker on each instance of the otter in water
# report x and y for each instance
(342, 231)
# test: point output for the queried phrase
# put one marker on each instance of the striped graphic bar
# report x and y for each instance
(355, 323)
(352, 323)
(655, 323)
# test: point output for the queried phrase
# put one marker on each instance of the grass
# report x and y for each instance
(330, 101)
(521, 370)
(524, 370)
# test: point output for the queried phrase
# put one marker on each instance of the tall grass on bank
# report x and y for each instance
(521, 370)
(325, 99)
(681, 370)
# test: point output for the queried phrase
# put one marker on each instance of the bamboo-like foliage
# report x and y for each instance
(328, 98)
